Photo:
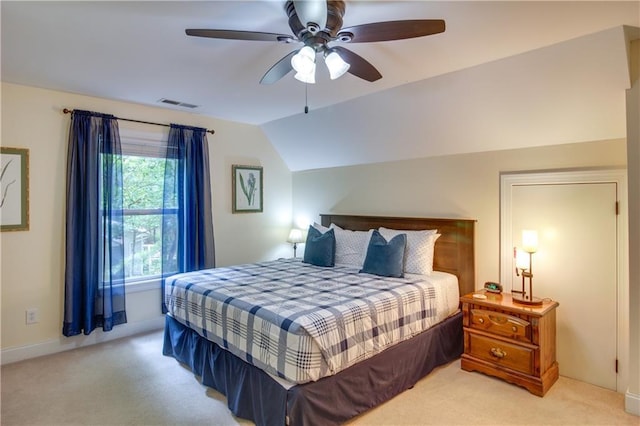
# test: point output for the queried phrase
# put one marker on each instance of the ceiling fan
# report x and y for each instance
(316, 24)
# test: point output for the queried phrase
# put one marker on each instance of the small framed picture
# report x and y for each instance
(14, 189)
(246, 189)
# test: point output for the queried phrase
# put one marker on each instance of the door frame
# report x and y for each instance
(509, 180)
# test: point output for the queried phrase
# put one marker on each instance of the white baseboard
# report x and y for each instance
(67, 343)
(632, 403)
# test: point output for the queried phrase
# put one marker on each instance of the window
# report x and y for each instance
(143, 172)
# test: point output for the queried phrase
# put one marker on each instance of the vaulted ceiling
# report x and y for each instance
(503, 74)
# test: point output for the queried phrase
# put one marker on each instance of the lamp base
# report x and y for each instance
(526, 300)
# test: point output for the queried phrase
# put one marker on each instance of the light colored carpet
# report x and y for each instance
(129, 382)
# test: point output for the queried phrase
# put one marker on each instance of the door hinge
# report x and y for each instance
(616, 366)
(617, 208)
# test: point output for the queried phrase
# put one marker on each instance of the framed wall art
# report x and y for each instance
(246, 189)
(14, 189)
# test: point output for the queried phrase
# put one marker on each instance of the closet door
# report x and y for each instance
(576, 265)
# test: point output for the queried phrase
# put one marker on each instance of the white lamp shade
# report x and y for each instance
(295, 236)
(304, 62)
(307, 78)
(529, 240)
(336, 65)
(522, 259)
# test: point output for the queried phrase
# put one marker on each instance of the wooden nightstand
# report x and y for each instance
(514, 342)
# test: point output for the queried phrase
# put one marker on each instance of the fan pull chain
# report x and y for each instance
(306, 102)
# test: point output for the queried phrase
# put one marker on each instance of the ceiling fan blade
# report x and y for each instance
(240, 35)
(278, 70)
(359, 66)
(394, 30)
(311, 11)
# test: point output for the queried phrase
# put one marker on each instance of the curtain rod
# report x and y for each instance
(69, 111)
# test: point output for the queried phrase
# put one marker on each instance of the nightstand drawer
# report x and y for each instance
(501, 324)
(501, 353)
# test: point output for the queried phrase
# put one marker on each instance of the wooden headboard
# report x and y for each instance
(454, 250)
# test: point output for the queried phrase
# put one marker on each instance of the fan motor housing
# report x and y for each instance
(335, 12)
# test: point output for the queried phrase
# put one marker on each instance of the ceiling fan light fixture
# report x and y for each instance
(336, 65)
(304, 61)
(316, 24)
(308, 77)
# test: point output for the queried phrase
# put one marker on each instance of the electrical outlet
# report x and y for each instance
(31, 315)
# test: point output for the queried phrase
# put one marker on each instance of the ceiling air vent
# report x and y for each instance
(177, 103)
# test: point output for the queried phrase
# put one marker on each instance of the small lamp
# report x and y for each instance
(295, 237)
(524, 268)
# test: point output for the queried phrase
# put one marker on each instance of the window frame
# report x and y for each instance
(144, 144)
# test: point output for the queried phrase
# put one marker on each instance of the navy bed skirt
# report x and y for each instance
(253, 394)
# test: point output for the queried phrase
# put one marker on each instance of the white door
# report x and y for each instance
(576, 265)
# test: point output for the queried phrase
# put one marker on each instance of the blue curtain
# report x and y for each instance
(94, 273)
(187, 224)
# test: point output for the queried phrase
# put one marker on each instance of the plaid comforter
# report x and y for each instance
(298, 321)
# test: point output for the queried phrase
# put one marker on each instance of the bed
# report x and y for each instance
(315, 383)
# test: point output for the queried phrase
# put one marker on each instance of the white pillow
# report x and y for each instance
(320, 228)
(418, 257)
(351, 246)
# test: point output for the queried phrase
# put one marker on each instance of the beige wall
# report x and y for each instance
(457, 186)
(32, 267)
(632, 400)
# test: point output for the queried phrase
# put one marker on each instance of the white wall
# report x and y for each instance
(32, 268)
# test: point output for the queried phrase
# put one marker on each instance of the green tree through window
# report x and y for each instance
(143, 187)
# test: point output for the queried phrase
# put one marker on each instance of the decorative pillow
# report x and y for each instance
(351, 246)
(320, 249)
(419, 251)
(385, 258)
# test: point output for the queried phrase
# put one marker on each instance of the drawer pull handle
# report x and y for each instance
(498, 353)
(514, 328)
(481, 320)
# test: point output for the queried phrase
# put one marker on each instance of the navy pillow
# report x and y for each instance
(320, 249)
(385, 258)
